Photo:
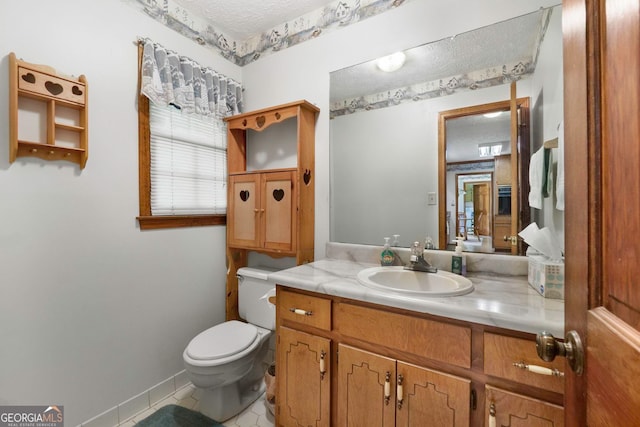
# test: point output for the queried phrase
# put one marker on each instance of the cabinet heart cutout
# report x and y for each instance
(278, 194)
(307, 176)
(244, 195)
(76, 90)
(29, 78)
(260, 121)
(53, 88)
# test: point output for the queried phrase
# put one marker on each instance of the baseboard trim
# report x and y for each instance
(141, 402)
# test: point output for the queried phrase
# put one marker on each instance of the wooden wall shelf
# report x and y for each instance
(44, 86)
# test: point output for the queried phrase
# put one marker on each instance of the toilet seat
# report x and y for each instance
(223, 341)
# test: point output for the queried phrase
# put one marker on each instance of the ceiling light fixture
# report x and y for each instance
(391, 62)
(488, 150)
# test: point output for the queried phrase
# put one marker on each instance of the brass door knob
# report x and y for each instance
(548, 348)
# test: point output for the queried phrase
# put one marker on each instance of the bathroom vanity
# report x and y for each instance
(348, 355)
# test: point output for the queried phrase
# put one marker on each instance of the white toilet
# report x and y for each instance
(228, 361)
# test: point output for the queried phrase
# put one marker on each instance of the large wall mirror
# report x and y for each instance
(416, 153)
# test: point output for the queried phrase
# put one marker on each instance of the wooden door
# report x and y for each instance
(602, 165)
(304, 391)
(278, 211)
(366, 388)
(482, 209)
(504, 408)
(244, 205)
(431, 398)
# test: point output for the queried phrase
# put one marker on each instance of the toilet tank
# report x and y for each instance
(253, 304)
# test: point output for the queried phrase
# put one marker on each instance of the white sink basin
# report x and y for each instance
(398, 279)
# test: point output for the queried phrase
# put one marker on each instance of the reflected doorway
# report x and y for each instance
(474, 209)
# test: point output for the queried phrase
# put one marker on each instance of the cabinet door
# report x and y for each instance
(244, 211)
(502, 167)
(278, 202)
(431, 398)
(366, 388)
(303, 379)
(501, 228)
(515, 410)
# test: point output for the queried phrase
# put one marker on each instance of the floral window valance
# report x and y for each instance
(168, 78)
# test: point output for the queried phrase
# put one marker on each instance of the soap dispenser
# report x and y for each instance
(459, 260)
(387, 257)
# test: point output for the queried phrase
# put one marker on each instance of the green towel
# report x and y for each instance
(546, 173)
(177, 416)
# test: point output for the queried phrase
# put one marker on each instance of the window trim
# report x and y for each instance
(146, 220)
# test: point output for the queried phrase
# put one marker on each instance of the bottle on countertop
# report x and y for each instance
(459, 260)
(387, 257)
(428, 243)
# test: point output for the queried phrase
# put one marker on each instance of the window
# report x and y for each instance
(183, 168)
(182, 139)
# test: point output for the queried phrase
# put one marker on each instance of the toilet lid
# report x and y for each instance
(222, 340)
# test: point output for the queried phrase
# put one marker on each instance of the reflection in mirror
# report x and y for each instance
(384, 127)
(478, 140)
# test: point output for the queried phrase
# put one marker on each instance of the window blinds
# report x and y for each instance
(188, 163)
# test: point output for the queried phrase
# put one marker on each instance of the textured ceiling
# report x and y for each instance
(242, 19)
(512, 41)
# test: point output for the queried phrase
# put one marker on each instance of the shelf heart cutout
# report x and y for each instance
(278, 194)
(76, 90)
(53, 88)
(244, 195)
(307, 176)
(29, 78)
(260, 121)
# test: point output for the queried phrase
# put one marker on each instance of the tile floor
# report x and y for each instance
(255, 415)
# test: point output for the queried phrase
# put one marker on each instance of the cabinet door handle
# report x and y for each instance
(399, 391)
(539, 369)
(492, 415)
(387, 388)
(322, 366)
(301, 311)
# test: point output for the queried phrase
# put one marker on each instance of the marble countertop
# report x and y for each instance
(498, 300)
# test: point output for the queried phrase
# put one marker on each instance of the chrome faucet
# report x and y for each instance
(417, 261)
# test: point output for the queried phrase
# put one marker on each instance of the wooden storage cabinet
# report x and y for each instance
(61, 104)
(262, 211)
(374, 390)
(271, 211)
(354, 356)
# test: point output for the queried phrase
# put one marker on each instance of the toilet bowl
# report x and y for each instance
(228, 361)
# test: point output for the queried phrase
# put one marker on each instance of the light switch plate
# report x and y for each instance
(431, 198)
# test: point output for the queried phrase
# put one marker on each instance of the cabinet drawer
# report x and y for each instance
(406, 333)
(509, 409)
(305, 309)
(501, 352)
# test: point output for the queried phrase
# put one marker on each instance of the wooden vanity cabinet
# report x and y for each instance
(347, 363)
(374, 390)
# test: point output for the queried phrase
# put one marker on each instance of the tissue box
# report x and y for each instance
(546, 277)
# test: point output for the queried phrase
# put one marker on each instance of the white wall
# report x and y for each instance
(548, 110)
(303, 71)
(92, 310)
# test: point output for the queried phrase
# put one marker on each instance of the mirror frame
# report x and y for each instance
(522, 104)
